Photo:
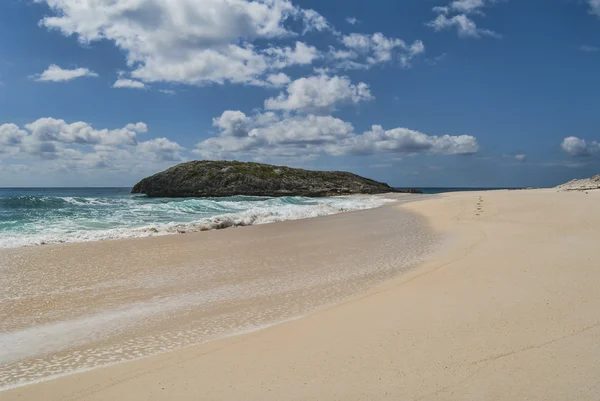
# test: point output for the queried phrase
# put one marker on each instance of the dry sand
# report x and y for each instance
(511, 311)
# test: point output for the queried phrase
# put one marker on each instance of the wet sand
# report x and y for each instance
(509, 311)
(74, 307)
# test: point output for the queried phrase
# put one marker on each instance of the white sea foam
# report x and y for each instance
(189, 303)
(132, 219)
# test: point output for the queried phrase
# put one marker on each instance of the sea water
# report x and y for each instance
(68, 309)
(73, 308)
(37, 216)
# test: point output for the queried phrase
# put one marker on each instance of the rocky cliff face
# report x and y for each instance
(581, 185)
(225, 178)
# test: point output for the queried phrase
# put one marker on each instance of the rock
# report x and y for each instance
(230, 178)
(581, 185)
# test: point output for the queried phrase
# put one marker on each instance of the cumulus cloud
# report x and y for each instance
(56, 130)
(352, 20)
(191, 41)
(467, 6)
(199, 42)
(300, 54)
(279, 79)
(313, 21)
(56, 74)
(128, 83)
(457, 15)
(378, 48)
(11, 135)
(404, 140)
(465, 26)
(268, 135)
(578, 147)
(58, 145)
(137, 127)
(319, 94)
(233, 123)
(162, 149)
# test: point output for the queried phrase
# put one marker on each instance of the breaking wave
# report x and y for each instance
(36, 219)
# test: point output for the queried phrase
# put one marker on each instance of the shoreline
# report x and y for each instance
(228, 280)
(261, 214)
(508, 311)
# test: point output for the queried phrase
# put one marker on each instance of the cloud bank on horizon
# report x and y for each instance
(275, 46)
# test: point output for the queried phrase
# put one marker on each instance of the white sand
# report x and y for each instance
(511, 311)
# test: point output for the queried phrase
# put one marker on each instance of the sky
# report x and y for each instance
(481, 93)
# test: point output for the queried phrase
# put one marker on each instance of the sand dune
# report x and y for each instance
(510, 310)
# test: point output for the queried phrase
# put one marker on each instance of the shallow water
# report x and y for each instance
(55, 215)
(74, 307)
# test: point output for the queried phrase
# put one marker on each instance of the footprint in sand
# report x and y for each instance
(479, 207)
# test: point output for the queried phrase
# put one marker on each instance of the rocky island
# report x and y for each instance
(229, 178)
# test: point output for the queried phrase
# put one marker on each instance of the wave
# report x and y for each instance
(47, 202)
(93, 219)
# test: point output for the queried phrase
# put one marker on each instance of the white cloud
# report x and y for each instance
(352, 20)
(268, 136)
(11, 135)
(56, 74)
(162, 149)
(520, 157)
(404, 140)
(191, 41)
(50, 144)
(128, 83)
(303, 132)
(139, 127)
(279, 79)
(377, 48)
(313, 21)
(578, 147)
(594, 7)
(233, 123)
(263, 136)
(167, 91)
(301, 54)
(337, 54)
(319, 94)
(467, 6)
(231, 63)
(465, 26)
(55, 130)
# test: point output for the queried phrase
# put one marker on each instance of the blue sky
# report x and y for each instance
(412, 92)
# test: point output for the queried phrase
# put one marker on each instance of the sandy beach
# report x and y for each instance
(464, 296)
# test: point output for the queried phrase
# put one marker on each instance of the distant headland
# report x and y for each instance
(585, 184)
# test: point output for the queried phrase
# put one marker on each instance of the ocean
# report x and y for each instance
(37, 216)
(71, 309)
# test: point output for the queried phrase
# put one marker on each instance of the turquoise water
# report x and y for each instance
(34, 216)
